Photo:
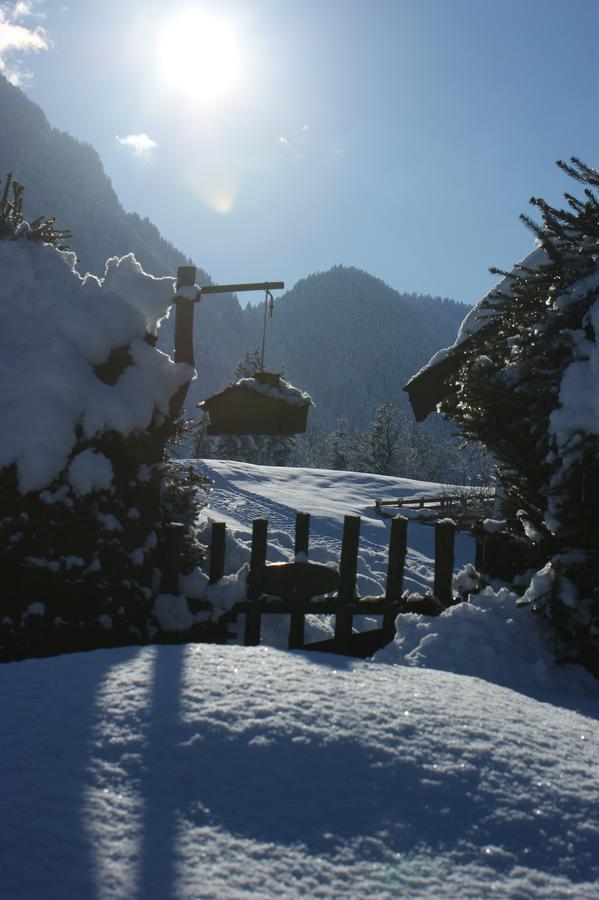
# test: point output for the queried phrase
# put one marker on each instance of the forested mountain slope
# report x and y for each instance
(65, 178)
(344, 336)
(352, 341)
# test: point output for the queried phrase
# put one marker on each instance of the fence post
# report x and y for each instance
(297, 619)
(217, 552)
(444, 543)
(296, 625)
(347, 583)
(172, 548)
(398, 545)
(257, 560)
(302, 533)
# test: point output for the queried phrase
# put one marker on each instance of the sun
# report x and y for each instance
(200, 56)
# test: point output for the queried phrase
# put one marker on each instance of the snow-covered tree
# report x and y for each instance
(378, 448)
(88, 404)
(527, 387)
(339, 445)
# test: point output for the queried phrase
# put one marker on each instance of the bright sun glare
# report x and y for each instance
(200, 55)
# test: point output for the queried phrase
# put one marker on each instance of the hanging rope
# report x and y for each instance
(268, 308)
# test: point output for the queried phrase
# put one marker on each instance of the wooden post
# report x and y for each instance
(183, 335)
(217, 552)
(398, 545)
(444, 543)
(296, 626)
(257, 560)
(297, 619)
(186, 276)
(302, 533)
(479, 553)
(347, 583)
(171, 557)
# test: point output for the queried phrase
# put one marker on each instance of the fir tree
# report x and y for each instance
(507, 395)
(339, 445)
(381, 443)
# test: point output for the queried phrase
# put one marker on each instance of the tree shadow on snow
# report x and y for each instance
(46, 851)
(266, 781)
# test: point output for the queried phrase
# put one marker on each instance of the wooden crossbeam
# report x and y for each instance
(238, 288)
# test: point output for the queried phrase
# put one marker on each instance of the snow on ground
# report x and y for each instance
(460, 763)
(231, 772)
(242, 492)
(491, 638)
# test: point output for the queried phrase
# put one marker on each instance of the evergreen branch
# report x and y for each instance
(11, 216)
(579, 171)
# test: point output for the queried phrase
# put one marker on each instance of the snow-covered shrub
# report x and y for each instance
(527, 386)
(87, 406)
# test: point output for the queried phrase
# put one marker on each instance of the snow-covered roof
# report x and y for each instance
(429, 381)
(55, 327)
(483, 313)
(283, 391)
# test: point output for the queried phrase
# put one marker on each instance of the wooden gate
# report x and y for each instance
(300, 587)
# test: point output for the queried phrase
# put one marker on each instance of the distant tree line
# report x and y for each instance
(391, 444)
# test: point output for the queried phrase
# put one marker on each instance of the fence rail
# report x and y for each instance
(444, 502)
(301, 588)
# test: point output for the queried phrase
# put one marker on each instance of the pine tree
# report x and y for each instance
(202, 443)
(339, 445)
(386, 432)
(510, 394)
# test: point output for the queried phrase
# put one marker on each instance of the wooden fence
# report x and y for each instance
(446, 503)
(300, 588)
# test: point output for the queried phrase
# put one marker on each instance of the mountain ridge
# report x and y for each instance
(344, 335)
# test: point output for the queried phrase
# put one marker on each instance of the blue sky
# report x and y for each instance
(400, 136)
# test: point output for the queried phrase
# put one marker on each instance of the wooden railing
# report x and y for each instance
(445, 503)
(300, 588)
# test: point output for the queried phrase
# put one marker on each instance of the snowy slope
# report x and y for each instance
(241, 492)
(230, 772)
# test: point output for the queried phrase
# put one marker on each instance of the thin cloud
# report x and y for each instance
(24, 9)
(296, 145)
(140, 144)
(21, 9)
(17, 39)
(302, 145)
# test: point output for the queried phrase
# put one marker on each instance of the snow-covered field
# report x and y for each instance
(460, 763)
(226, 772)
(242, 492)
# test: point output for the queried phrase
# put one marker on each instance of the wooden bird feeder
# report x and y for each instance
(263, 404)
